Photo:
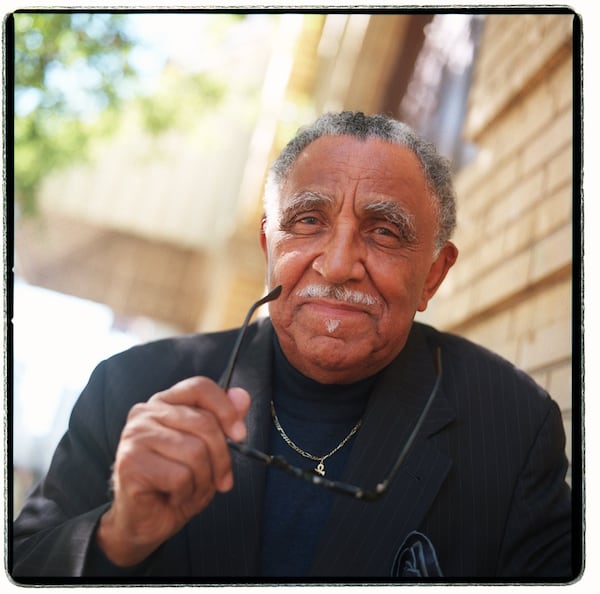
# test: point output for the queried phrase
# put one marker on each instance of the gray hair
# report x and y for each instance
(436, 168)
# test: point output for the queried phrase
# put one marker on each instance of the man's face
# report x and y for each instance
(356, 216)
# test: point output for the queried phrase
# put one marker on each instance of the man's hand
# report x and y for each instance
(171, 460)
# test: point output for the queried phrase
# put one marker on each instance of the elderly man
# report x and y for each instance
(410, 453)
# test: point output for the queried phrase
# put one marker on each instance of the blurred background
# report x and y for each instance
(141, 143)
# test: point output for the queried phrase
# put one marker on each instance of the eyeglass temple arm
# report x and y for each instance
(226, 377)
(280, 463)
(382, 486)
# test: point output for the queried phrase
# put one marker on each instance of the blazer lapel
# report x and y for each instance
(361, 538)
(239, 512)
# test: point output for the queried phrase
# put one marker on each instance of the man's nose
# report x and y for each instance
(343, 256)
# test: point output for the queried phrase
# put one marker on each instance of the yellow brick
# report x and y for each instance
(499, 183)
(551, 306)
(502, 282)
(517, 235)
(515, 128)
(557, 29)
(545, 346)
(559, 169)
(525, 32)
(560, 385)
(532, 114)
(468, 224)
(469, 180)
(553, 212)
(496, 36)
(469, 231)
(493, 328)
(561, 86)
(477, 261)
(509, 60)
(521, 197)
(546, 308)
(551, 22)
(558, 135)
(551, 254)
(538, 111)
(522, 316)
(523, 59)
(499, 34)
(492, 332)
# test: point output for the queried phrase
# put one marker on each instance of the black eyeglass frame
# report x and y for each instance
(307, 474)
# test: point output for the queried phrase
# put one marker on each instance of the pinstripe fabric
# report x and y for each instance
(507, 431)
(484, 481)
(239, 512)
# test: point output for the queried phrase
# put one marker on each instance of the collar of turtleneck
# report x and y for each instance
(316, 417)
(308, 400)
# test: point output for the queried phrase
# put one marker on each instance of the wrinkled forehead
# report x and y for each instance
(338, 164)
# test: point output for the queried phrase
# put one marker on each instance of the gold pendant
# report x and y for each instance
(320, 469)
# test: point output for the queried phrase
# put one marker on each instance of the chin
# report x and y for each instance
(336, 356)
(326, 360)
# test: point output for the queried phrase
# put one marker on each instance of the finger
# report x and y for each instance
(204, 393)
(198, 440)
(149, 473)
(241, 401)
(157, 494)
(184, 434)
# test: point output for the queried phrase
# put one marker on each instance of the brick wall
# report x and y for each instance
(132, 275)
(511, 287)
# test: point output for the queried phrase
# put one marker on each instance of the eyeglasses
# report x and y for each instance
(279, 462)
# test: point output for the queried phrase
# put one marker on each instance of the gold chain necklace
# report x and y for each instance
(320, 468)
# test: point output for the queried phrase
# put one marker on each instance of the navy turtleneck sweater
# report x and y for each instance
(316, 417)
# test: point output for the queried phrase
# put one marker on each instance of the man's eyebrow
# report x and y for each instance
(307, 200)
(396, 214)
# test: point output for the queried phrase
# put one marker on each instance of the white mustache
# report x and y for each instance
(339, 293)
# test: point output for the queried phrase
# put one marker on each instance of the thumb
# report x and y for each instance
(241, 402)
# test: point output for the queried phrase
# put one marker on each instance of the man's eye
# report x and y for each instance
(385, 232)
(389, 237)
(308, 221)
(306, 225)
(303, 224)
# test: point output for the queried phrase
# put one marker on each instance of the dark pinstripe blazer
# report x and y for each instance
(484, 482)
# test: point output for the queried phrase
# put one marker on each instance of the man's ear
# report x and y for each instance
(437, 273)
(263, 236)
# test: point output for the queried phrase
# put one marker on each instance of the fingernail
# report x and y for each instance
(226, 483)
(238, 430)
(239, 398)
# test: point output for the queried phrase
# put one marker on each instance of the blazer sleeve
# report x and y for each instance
(52, 534)
(537, 538)
(54, 531)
